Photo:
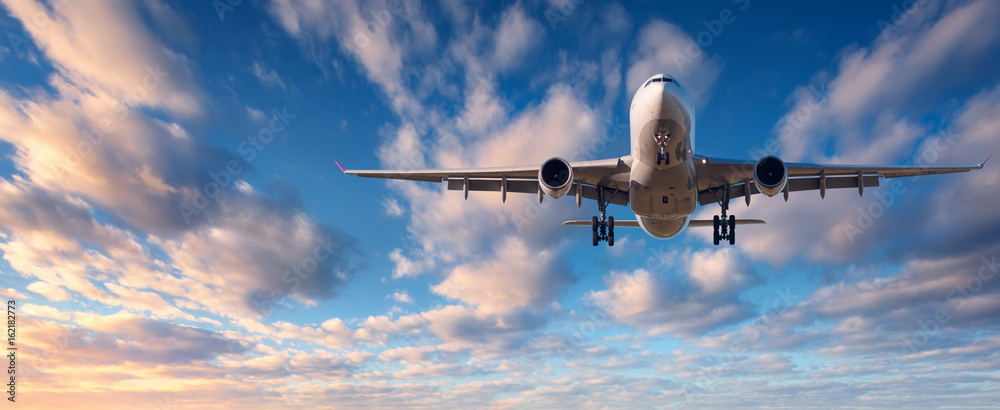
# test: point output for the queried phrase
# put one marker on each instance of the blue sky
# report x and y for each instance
(176, 233)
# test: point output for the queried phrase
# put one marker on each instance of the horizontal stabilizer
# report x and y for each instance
(738, 222)
(618, 224)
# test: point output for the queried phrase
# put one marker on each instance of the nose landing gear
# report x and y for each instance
(662, 139)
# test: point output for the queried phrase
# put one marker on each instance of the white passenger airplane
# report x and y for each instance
(662, 180)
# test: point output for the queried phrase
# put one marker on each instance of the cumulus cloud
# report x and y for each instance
(90, 148)
(893, 74)
(516, 277)
(840, 110)
(76, 37)
(447, 229)
(401, 297)
(42, 311)
(926, 313)
(705, 297)
(49, 291)
(666, 48)
(515, 36)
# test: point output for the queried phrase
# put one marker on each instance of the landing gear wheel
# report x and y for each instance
(611, 231)
(715, 230)
(724, 225)
(732, 230)
(603, 227)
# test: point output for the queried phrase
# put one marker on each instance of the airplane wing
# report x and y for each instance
(611, 174)
(715, 175)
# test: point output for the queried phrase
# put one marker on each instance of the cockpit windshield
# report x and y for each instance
(658, 79)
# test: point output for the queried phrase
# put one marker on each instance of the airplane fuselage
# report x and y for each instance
(663, 186)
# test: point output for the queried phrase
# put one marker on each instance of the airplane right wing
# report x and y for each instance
(716, 175)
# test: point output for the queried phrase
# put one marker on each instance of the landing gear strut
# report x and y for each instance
(603, 227)
(727, 225)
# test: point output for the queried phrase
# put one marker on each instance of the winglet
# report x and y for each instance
(345, 171)
(987, 160)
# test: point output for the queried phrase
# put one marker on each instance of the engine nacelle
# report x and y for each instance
(770, 174)
(555, 177)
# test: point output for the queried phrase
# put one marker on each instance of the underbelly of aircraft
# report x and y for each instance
(663, 228)
(663, 197)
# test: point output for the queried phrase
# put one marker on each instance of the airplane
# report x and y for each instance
(662, 180)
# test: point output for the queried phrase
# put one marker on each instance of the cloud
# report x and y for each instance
(516, 277)
(839, 111)
(268, 76)
(331, 333)
(463, 327)
(890, 77)
(703, 299)
(76, 38)
(96, 339)
(380, 35)
(245, 267)
(50, 291)
(42, 311)
(392, 207)
(401, 297)
(12, 294)
(666, 48)
(516, 35)
(98, 205)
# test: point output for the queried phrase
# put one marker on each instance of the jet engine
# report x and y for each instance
(771, 175)
(555, 177)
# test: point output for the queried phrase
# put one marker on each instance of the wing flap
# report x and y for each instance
(529, 187)
(709, 196)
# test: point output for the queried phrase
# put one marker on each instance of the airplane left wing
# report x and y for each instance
(611, 175)
(716, 175)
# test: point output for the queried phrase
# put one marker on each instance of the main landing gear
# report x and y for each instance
(727, 225)
(603, 228)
